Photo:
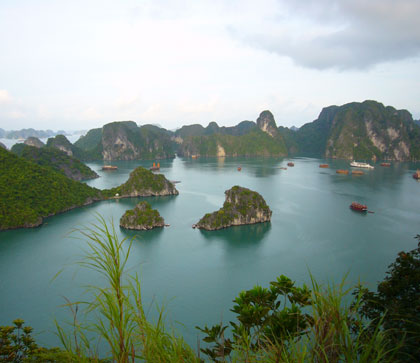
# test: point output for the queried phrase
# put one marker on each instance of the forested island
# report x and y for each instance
(31, 191)
(241, 206)
(142, 217)
(359, 130)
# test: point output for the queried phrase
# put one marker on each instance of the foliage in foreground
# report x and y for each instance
(18, 345)
(285, 323)
(282, 323)
(115, 314)
(397, 303)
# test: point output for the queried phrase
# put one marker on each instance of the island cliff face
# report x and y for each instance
(34, 141)
(143, 183)
(61, 142)
(360, 131)
(242, 206)
(266, 123)
(245, 139)
(142, 218)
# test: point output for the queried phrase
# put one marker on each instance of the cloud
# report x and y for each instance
(346, 34)
(5, 97)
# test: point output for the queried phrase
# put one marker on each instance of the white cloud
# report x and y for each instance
(5, 97)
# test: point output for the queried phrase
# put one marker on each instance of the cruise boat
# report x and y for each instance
(356, 164)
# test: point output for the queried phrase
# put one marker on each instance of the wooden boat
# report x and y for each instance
(358, 207)
(416, 175)
(357, 172)
(283, 168)
(290, 164)
(342, 171)
(194, 156)
(155, 167)
(239, 168)
(323, 165)
(109, 167)
(385, 164)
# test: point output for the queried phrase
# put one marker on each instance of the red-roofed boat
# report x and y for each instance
(358, 207)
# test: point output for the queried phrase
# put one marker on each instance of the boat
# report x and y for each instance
(357, 172)
(323, 165)
(385, 164)
(290, 164)
(239, 168)
(356, 164)
(109, 167)
(416, 175)
(194, 156)
(358, 207)
(342, 171)
(155, 167)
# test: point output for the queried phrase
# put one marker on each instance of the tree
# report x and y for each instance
(397, 303)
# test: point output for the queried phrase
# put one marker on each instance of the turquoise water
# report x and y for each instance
(197, 274)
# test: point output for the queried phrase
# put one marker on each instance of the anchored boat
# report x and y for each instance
(358, 207)
(416, 175)
(155, 167)
(356, 164)
(109, 167)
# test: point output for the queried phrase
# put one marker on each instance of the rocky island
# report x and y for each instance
(143, 183)
(142, 218)
(242, 206)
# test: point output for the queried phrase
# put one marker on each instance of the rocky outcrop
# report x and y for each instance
(369, 130)
(126, 141)
(361, 131)
(267, 123)
(61, 142)
(142, 218)
(143, 183)
(3, 146)
(34, 141)
(242, 206)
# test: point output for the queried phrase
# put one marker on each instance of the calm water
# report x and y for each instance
(197, 274)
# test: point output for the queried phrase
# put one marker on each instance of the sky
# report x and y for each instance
(77, 65)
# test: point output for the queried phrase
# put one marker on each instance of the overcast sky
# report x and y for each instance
(80, 64)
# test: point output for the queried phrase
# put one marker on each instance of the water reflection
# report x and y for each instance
(239, 236)
(142, 236)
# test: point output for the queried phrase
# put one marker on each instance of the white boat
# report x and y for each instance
(356, 164)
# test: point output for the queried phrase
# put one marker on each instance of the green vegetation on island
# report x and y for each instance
(246, 139)
(281, 323)
(29, 192)
(242, 206)
(143, 183)
(142, 217)
(360, 131)
(55, 159)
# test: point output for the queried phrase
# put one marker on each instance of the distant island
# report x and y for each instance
(30, 192)
(241, 206)
(142, 217)
(25, 133)
(362, 131)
